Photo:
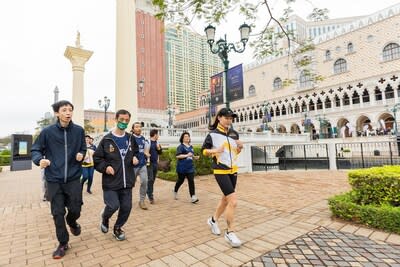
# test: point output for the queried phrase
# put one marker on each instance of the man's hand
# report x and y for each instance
(44, 163)
(239, 144)
(79, 156)
(110, 170)
(135, 161)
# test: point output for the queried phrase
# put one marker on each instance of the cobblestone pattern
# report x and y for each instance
(328, 247)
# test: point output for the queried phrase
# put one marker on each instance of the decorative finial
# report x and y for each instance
(78, 40)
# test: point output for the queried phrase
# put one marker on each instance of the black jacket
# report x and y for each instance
(60, 146)
(108, 154)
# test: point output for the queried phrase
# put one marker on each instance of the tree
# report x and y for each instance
(88, 127)
(266, 40)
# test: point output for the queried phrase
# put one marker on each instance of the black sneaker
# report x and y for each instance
(103, 223)
(75, 230)
(60, 251)
(119, 234)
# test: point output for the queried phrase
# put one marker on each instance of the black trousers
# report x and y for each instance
(151, 176)
(63, 196)
(181, 179)
(118, 199)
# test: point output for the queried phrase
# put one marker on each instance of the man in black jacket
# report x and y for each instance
(115, 158)
(59, 150)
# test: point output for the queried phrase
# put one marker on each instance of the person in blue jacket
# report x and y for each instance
(59, 150)
(185, 166)
(116, 157)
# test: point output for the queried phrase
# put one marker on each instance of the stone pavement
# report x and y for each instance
(277, 214)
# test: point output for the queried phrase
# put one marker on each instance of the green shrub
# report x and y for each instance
(5, 160)
(202, 165)
(384, 217)
(378, 185)
(5, 152)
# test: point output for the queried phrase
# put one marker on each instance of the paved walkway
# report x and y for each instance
(276, 210)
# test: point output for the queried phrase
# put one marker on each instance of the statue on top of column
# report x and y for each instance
(78, 40)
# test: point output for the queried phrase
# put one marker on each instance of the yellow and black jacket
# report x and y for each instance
(225, 162)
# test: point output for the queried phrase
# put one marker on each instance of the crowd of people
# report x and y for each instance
(68, 159)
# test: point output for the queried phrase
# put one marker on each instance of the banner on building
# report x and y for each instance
(216, 89)
(235, 83)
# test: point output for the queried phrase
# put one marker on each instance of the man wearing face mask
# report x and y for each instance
(116, 157)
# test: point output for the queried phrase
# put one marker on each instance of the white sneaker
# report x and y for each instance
(214, 227)
(232, 239)
(194, 199)
(175, 195)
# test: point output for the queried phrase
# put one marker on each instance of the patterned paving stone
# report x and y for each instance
(329, 247)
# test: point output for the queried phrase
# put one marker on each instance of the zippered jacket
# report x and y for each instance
(225, 162)
(60, 146)
(108, 154)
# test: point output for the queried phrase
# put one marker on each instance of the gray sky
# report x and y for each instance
(36, 33)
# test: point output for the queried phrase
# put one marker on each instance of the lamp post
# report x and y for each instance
(222, 48)
(306, 123)
(322, 122)
(105, 105)
(141, 86)
(394, 110)
(209, 108)
(170, 112)
(266, 106)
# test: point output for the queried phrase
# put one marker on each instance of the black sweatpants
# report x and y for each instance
(118, 199)
(181, 179)
(63, 196)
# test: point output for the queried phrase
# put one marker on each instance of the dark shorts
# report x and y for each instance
(227, 182)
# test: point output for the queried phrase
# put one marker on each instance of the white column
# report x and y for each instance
(78, 58)
(126, 73)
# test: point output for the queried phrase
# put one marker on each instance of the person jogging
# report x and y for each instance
(59, 150)
(116, 157)
(223, 145)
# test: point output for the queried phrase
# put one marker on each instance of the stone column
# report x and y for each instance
(78, 58)
(126, 73)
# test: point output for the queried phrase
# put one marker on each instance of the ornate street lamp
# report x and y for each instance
(141, 86)
(222, 48)
(394, 109)
(209, 108)
(105, 105)
(306, 121)
(171, 113)
(266, 105)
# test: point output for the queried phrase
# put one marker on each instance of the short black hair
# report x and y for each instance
(183, 135)
(88, 136)
(122, 112)
(56, 106)
(153, 132)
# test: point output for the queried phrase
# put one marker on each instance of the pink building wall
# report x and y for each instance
(150, 61)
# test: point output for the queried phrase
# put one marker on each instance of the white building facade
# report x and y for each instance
(359, 62)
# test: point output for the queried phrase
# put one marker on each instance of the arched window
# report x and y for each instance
(355, 98)
(250, 116)
(319, 104)
(278, 111)
(283, 110)
(346, 99)
(340, 66)
(389, 92)
(328, 103)
(252, 90)
(305, 79)
(350, 47)
(277, 83)
(378, 94)
(391, 51)
(327, 54)
(365, 96)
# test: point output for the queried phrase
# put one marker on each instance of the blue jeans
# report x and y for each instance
(87, 175)
(151, 175)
